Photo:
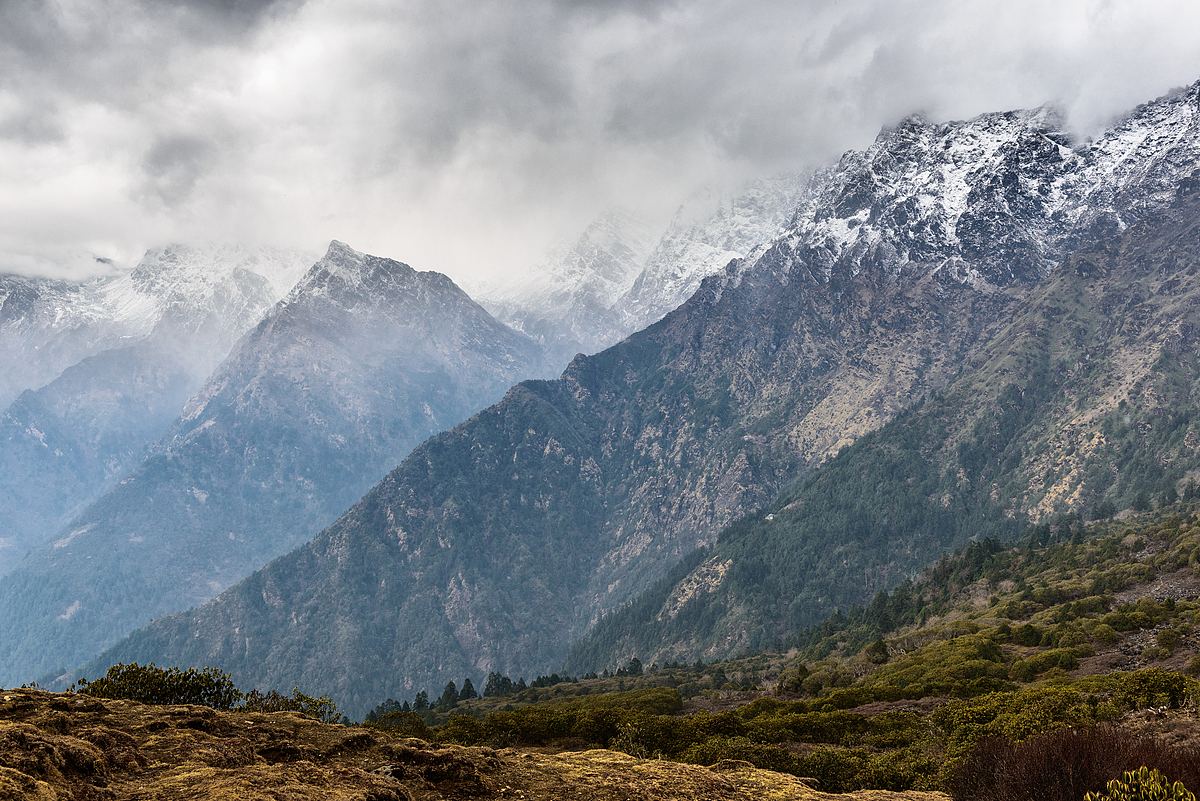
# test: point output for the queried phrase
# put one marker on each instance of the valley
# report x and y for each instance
(786, 401)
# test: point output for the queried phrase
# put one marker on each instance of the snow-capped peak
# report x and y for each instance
(599, 265)
(991, 198)
(349, 276)
(709, 230)
(49, 325)
(567, 302)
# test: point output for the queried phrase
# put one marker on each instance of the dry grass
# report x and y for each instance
(77, 748)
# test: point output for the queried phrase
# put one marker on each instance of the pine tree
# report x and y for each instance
(497, 685)
(449, 698)
(421, 702)
(468, 690)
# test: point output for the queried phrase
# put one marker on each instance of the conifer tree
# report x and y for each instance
(449, 698)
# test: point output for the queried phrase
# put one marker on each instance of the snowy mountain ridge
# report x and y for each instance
(707, 232)
(994, 189)
(47, 325)
(567, 302)
(617, 277)
(987, 201)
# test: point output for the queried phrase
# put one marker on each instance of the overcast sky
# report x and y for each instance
(469, 136)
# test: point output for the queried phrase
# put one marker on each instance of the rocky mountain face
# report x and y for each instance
(363, 359)
(922, 269)
(1084, 403)
(146, 340)
(34, 344)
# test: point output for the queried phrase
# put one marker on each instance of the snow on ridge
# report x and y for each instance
(1014, 182)
(600, 263)
(708, 231)
(132, 301)
(48, 325)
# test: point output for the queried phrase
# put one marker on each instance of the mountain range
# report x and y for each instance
(963, 327)
(129, 348)
(364, 358)
(616, 279)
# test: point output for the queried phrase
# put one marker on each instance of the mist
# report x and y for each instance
(470, 138)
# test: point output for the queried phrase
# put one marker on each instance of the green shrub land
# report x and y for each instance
(1077, 627)
(982, 677)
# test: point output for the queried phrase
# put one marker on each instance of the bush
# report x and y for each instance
(1153, 687)
(1063, 765)
(150, 684)
(322, 708)
(1028, 669)
(1143, 784)
(1169, 639)
(768, 757)
(877, 652)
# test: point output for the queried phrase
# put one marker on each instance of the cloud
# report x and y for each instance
(469, 137)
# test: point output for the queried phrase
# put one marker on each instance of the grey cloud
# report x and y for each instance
(466, 137)
(174, 164)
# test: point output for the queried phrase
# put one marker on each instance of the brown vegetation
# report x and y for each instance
(72, 746)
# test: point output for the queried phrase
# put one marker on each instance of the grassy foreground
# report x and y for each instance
(74, 746)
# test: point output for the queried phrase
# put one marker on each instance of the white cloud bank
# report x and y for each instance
(466, 137)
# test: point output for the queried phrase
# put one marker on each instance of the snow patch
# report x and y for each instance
(63, 542)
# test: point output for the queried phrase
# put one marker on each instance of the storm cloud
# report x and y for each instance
(468, 137)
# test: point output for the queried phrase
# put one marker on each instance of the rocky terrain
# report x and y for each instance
(78, 748)
(1085, 402)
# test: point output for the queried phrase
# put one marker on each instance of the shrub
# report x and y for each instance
(632, 738)
(769, 757)
(1104, 634)
(1039, 663)
(1063, 765)
(837, 770)
(322, 708)
(1168, 640)
(1152, 687)
(877, 652)
(963, 666)
(151, 684)
(1027, 635)
(410, 724)
(1144, 784)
